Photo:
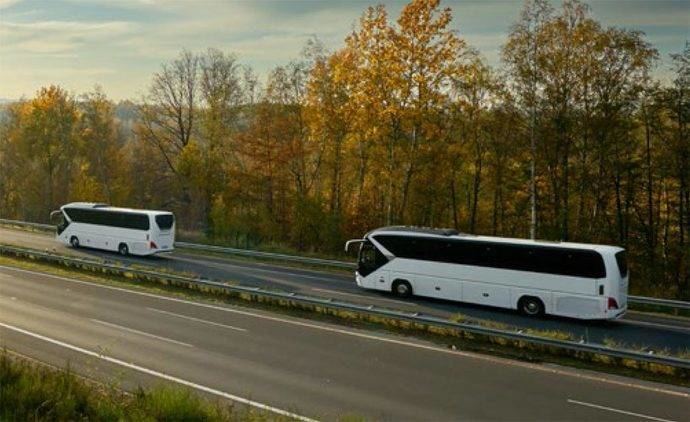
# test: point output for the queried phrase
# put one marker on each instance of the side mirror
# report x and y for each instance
(55, 217)
(352, 242)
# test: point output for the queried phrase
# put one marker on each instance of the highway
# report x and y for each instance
(636, 329)
(316, 370)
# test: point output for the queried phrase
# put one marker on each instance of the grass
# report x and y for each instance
(455, 338)
(33, 391)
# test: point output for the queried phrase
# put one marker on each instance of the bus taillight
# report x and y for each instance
(153, 245)
(613, 304)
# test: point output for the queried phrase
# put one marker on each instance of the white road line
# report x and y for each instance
(654, 324)
(142, 333)
(487, 358)
(622, 412)
(197, 319)
(361, 296)
(159, 374)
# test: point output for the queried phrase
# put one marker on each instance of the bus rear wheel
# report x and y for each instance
(74, 241)
(402, 288)
(531, 306)
(123, 249)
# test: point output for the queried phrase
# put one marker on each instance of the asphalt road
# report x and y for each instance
(316, 370)
(635, 330)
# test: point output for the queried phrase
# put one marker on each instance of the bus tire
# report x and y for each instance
(74, 242)
(402, 288)
(123, 249)
(531, 306)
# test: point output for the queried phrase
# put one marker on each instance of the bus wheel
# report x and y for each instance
(74, 241)
(402, 288)
(531, 306)
(123, 249)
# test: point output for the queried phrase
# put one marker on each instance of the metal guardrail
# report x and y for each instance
(642, 300)
(270, 255)
(335, 304)
(27, 224)
(668, 303)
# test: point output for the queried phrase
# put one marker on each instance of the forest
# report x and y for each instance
(570, 138)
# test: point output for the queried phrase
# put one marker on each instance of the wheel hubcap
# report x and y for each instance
(532, 307)
(402, 289)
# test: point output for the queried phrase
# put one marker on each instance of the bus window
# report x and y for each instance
(164, 221)
(622, 262)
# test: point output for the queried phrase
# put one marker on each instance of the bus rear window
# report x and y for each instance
(622, 263)
(165, 221)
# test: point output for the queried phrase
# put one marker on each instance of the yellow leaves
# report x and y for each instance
(85, 187)
(190, 161)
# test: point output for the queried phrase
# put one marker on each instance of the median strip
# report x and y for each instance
(460, 334)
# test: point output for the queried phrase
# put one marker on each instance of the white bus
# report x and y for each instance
(535, 277)
(125, 230)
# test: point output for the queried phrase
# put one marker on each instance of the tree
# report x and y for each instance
(521, 53)
(99, 144)
(46, 138)
(169, 111)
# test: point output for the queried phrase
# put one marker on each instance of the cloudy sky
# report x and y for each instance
(119, 44)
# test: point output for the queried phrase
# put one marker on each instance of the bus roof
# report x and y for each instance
(106, 207)
(454, 234)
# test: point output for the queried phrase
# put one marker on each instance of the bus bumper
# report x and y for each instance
(619, 313)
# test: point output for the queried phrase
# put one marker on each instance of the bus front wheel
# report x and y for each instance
(123, 249)
(531, 306)
(74, 241)
(402, 288)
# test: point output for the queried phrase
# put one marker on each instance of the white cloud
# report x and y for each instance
(120, 44)
(7, 3)
(55, 37)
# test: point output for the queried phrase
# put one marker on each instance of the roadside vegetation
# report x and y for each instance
(31, 391)
(570, 137)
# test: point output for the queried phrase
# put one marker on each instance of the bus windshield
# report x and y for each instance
(62, 223)
(370, 259)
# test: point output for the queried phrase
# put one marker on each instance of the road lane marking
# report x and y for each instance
(655, 324)
(476, 356)
(142, 333)
(363, 296)
(159, 374)
(217, 324)
(622, 412)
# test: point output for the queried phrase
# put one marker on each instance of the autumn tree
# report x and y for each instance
(521, 54)
(100, 174)
(45, 137)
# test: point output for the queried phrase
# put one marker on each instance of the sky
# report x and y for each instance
(120, 44)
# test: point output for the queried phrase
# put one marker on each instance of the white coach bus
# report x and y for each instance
(127, 231)
(535, 277)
